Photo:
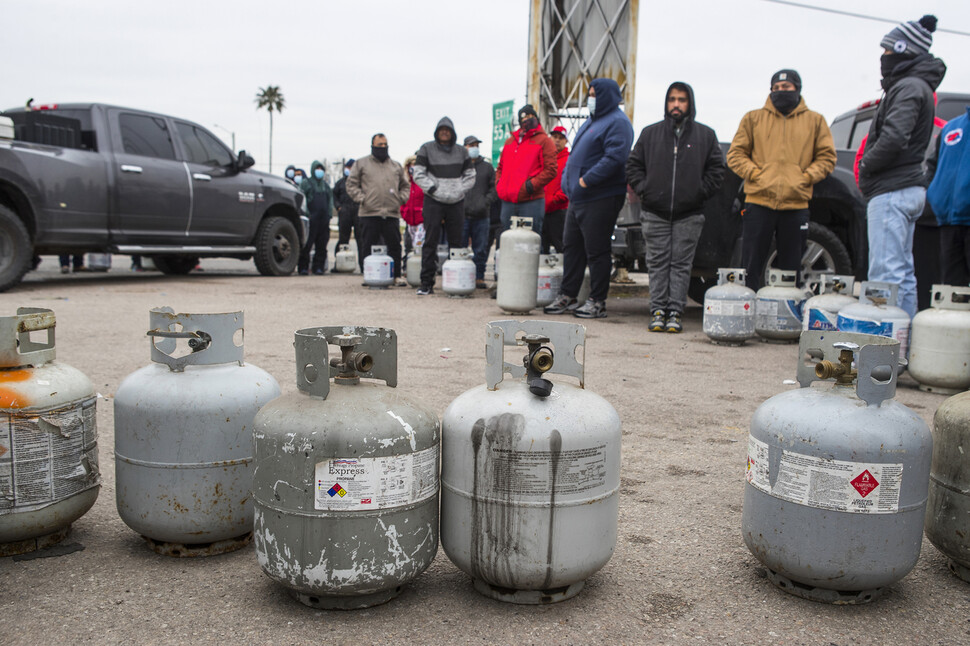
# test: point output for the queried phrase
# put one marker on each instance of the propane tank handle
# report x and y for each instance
(564, 337)
(876, 361)
(951, 297)
(866, 296)
(16, 347)
(211, 337)
(313, 366)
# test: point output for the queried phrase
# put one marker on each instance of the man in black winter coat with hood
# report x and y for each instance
(674, 167)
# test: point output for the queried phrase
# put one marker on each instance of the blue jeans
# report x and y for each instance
(891, 218)
(534, 209)
(477, 230)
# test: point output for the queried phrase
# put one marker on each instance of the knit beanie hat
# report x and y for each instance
(526, 111)
(787, 75)
(911, 38)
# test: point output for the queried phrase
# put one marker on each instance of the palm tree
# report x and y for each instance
(271, 98)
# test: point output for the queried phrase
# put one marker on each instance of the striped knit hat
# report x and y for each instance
(911, 38)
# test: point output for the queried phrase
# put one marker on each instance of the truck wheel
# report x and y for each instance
(824, 254)
(698, 286)
(277, 247)
(16, 250)
(175, 265)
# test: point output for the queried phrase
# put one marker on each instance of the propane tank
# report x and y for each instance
(49, 474)
(458, 274)
(412, 268)
(345, 260)
(550, 278)
(939, 358)
(876, 313)
(183, 436)
(378, 268)
(837, 474)
(821, 312)
(442, 257)
(530, 470)
(729, 309)
(346, 480)
(520, 267)
(948, 507)
(778, 308)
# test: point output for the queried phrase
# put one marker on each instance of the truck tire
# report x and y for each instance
(824, 254)
(16, 250)
(175, 265)
(277, 247)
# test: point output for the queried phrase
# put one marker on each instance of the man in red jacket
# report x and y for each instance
(527, 164)
(556, 201)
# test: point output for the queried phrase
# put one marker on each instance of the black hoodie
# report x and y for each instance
(674, 175)
(444, 171)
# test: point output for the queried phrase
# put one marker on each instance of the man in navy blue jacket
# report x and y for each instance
(594, 180)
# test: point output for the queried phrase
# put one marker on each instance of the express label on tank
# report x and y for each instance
(837, 485)
(347, 484)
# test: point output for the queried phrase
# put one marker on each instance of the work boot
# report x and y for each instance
(480, 283)
(673, 323)
(591, 310)
(659, 321)
(425, 291)
(561, 305)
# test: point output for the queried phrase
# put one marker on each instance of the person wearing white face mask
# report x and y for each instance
(478, 203)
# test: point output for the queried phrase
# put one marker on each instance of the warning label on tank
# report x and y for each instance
(539, 473)
(781, 316)
(346, 484)
(728, 308)
(854, 487)
(47, 456)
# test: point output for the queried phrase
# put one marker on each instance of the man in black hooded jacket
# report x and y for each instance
(674, 167)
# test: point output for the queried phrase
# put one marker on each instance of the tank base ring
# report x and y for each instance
(940, 390)
(346, 602)
(779, 341)
(961, 571)
(824, 595)
(731, 344)
(457, 295)
(33, 544)
(529, 597)
(195, 550)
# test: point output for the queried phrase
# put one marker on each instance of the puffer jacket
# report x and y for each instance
(479, 199)
(380, 187)
(949, 166)
(319, 198)
(527, 164)
(413, 210)
(781, 157)
(444, 171)
(556, 200)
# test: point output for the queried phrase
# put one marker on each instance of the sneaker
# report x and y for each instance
(65, 270)
(319, 272)
(561, 305)
(591, 310)
(400, 282)
(303, 272)
(481, 284)
(425, 291)
(673, 323)
(659, 321)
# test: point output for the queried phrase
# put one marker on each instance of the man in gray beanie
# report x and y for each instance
(891, 169)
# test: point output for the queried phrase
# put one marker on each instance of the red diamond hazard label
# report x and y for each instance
(747, 306)
(864, 483)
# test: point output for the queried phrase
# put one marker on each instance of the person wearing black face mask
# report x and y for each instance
(780, 151)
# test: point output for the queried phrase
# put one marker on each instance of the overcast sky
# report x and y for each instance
(350, 69)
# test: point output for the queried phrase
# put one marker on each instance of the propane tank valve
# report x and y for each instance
(842, 371)
(201, 342)
(350, 362)
(538, 361)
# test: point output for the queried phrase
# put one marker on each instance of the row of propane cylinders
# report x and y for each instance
(936, 340)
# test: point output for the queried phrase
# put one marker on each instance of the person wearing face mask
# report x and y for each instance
(290, 175)
(527, 164)
(891, 174)
(478, 204)
(346, 213)
(380, 186)
(556, 201)
(780, 151)
(675, 166)
(319, 202)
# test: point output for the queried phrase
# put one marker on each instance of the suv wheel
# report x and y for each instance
(16, 250)
(175, 265)
(824, 254)
(277, 247)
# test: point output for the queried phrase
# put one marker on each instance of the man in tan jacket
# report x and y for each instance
(780, 151)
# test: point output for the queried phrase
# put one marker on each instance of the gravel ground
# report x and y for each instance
(680, 574)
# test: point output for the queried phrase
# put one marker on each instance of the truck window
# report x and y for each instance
(201, 147)
(860, 131)
(841, 129)
(145, 135)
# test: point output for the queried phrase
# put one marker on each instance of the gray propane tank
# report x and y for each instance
(821, 312)
(778, 308)
(939, 357)
(550, 278)
(378, 268)
(346, 481)
(412, 268)
(948, 508)
(183, 436)
(729, 309)
(345, 260)
(458, 274)
(837, 474)
(49, 474)
(530, 470)
(519, 273)
(877, 313)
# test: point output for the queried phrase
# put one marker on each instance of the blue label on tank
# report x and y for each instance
(819, 320)
(865, 327)
(795, 308)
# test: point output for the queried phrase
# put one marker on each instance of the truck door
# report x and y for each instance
(151, 186)
(223, 200)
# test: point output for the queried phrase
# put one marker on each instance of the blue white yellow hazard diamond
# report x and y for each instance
(337, 490)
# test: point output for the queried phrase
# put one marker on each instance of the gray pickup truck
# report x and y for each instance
(91, 177)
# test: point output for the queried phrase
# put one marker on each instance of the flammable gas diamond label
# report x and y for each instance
(348, 484)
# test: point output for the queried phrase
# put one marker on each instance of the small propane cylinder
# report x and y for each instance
(49, 474)
(939, 357)
(948, 508)
(346, 260)
(412, 269)
(821, 312)
(98, 261)
(876, 313)
(442, 257)
(183, 436)
(530, 470)
(458, 273)
(378, 268)
(550, 278)
(837, 474)
(729, 309)
(778, 308)
(346, 481)
(520, 267)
